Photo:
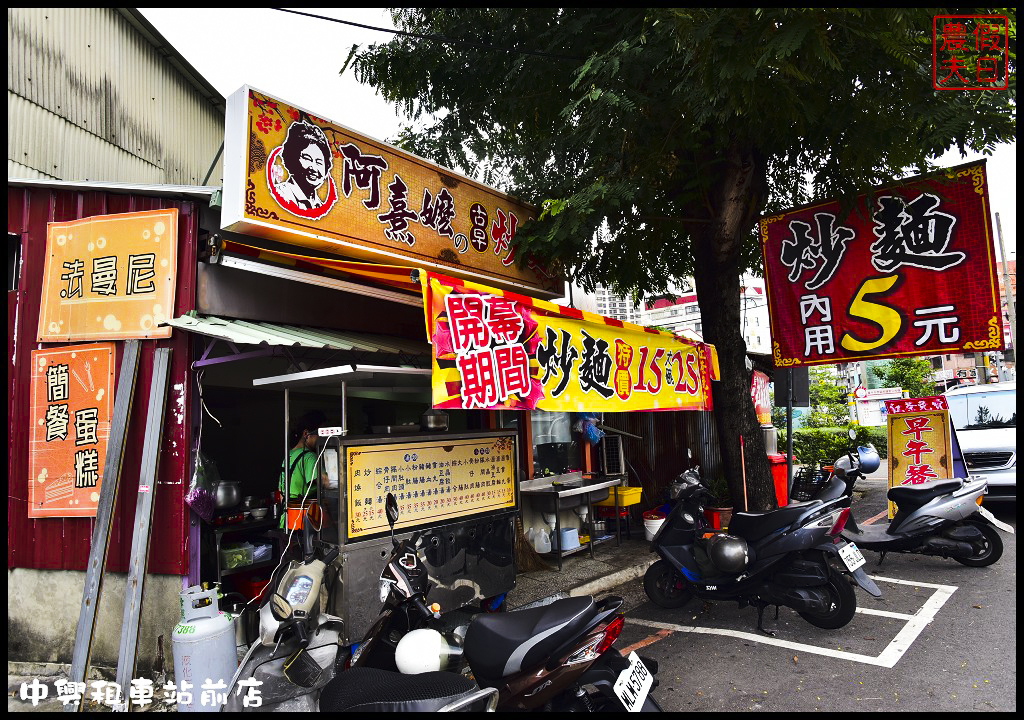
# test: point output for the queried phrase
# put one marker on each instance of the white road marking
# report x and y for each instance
(892, 653)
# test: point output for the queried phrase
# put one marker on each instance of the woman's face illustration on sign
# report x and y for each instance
(306, 156)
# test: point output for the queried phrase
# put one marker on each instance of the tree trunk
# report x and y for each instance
(736, 199)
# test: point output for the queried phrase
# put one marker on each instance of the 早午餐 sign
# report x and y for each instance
(910, 271)
(431, 480)
(70, 412)
(109, 277)
(299, 179)
(920, 445)
(494, 350)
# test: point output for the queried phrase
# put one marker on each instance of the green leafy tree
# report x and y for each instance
(913, 375)
(828, 402)
(654, 138)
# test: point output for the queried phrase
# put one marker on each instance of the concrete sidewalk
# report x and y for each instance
(582, 575)
(612, 566)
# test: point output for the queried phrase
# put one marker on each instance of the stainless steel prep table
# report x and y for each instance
(571, 484)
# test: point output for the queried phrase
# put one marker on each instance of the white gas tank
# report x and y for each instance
(203, 645)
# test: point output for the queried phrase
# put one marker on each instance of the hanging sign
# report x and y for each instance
(494, 350)
(909, 271)
(759, 393)
(432, 480)
(109, 277)
(72, 400)
(299, 179)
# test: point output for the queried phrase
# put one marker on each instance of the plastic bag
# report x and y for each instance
(587, 426)
(201, 495)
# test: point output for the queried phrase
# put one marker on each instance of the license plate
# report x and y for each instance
(633, 684)
(851, 556)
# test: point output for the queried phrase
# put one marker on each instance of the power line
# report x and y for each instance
(430, 36)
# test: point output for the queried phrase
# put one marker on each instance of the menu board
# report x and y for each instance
(432, 479)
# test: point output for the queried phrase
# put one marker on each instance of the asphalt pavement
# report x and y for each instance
(941, 638)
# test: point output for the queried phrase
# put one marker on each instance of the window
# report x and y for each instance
(936, 363)
(554, 450)
(693, 309)
(697, 327)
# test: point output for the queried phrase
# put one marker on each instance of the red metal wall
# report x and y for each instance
(63, 543)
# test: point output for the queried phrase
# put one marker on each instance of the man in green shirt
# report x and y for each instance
(301, 460)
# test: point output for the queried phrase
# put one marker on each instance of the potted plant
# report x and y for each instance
(719, 512)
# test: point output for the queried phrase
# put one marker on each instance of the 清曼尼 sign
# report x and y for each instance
(70, 412)
(297, 178)
(909, 271)
(109, 277)
(494, 350)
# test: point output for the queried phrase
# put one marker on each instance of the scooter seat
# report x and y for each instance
(373, 690)
(502, 644)
(754, 526)
(914, 496)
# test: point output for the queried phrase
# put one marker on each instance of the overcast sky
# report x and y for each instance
(298, 58)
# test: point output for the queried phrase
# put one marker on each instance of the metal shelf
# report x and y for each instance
(584, 546)
(232, 571)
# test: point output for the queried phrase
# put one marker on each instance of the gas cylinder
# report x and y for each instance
(203, 645)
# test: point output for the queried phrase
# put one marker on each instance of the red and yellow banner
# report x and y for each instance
(500, 351)
(910, 270)
(72, 400)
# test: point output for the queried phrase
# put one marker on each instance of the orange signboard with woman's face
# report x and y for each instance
(72, 399)
(300, 179)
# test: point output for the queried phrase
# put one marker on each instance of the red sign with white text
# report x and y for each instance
(909, 271)
(911, 405)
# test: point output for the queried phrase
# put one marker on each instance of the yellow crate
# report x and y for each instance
(627, 496)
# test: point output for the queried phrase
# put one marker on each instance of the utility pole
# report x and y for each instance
(1008, 290)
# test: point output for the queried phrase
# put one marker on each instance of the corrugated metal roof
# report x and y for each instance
(260, 333)
(95, 93)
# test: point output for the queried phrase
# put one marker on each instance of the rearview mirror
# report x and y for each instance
(391, 509)
(852, 433)
(280, 607)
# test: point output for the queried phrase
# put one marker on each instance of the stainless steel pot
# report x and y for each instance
(434, 420)
(228, 495)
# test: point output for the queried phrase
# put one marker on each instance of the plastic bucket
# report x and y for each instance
(296, 513)
(652, 523)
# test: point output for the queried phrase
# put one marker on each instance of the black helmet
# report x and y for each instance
(728, 552)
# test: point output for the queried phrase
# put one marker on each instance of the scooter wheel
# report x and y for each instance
(665, 586)
(991, 551)
(842, 602)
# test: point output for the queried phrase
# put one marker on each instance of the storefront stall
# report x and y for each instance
(367, 288)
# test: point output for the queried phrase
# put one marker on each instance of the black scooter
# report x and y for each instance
(792, 556)
(556, 657)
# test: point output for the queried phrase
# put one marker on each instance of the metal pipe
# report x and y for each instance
(344, 412)
(1011, 300)
(789, 433)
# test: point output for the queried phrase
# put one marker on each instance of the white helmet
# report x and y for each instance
(421, 651)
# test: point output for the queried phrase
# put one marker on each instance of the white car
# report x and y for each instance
(985, 418)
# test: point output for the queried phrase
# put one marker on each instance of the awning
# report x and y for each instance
(393, 276)
(244, 332)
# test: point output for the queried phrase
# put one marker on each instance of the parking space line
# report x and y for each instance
(892, 653)
(885, 613)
